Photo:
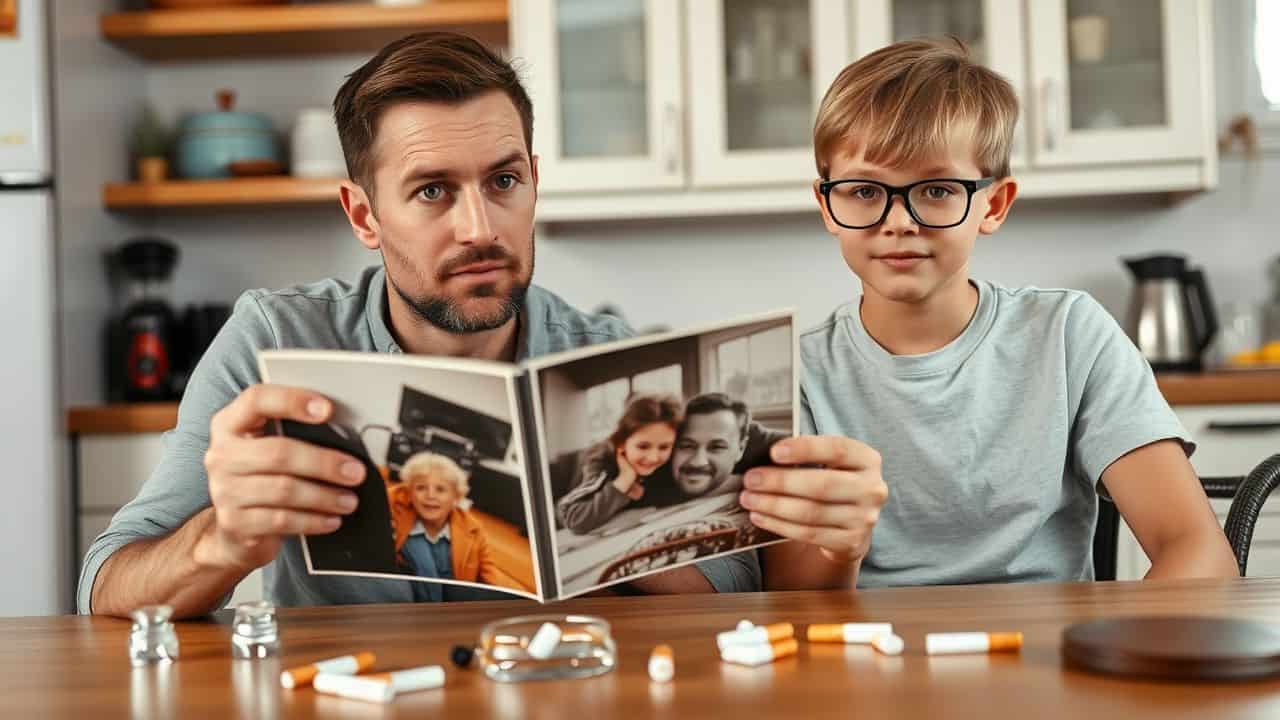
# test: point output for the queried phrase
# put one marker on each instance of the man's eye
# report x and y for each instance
(505, 181)
(431, 192)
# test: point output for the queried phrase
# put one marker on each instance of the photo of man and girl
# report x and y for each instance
(444, 498)
(649, 447)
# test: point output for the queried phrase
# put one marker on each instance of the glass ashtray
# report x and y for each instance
(585, 648)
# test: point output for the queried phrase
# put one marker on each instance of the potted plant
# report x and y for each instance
(151, 141)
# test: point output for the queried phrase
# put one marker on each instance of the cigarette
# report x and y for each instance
(848, 633)
(544, 642)
(662, 665)
(888, 643)
(759, 654)
(975, 642)
(345, 665)
(382, 687)
(758, 635)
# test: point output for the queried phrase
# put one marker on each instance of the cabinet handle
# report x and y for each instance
(671, 133)
(1049, 106)
(1240, 426)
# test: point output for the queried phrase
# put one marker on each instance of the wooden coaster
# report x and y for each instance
(1175, 648)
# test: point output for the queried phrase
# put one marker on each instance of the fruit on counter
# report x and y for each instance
(1268, 354)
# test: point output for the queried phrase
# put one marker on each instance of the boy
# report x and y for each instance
(999, 414)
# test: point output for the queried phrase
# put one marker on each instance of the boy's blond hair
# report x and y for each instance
(907, 102)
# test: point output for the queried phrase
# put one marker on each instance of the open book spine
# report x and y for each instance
(542, 524)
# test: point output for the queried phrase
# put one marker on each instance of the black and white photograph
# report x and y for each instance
(645, 448)
(444, 499)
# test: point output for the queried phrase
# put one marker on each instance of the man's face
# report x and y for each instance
(453, 210)
(708, 448)
(898, 259)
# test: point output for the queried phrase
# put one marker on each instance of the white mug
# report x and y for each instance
(315, 147)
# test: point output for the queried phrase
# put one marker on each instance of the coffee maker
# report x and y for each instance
(1171, 314)
(142, 337)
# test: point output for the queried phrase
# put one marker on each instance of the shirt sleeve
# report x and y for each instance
(178, 487)
(739, 572)
(1119, 407)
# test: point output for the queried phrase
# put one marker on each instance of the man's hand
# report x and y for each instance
(264, 488)
(833, 503)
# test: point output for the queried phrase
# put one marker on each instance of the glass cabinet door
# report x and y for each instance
(605, 85)
(1116, 81)
(757, 71)
(993, 30)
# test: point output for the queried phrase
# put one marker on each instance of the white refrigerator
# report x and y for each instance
(35, 514)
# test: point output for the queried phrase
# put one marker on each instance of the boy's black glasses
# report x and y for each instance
(935, 203)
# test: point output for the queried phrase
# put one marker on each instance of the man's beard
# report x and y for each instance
(448, 315)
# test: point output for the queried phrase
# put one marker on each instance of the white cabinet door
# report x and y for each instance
(605, 82)
(993, 30)
(1231, 439)
(1117, 82)
(757, 71)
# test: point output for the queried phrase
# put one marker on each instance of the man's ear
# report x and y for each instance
(358, 206)
(1000, 195)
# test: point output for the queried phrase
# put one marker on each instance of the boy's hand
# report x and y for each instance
(834, 505)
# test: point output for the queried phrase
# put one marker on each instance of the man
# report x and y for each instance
(710, 454)
(436, 131)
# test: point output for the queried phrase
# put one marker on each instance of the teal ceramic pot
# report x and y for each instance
(209, 141)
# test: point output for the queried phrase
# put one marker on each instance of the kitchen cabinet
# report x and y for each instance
(1224, 452)
(1116, 98)
(110, 469)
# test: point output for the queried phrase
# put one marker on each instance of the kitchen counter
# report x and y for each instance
(1212, 388)
(1229, 387)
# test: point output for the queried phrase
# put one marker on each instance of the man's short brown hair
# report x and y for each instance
(428, 66)
(907, 102)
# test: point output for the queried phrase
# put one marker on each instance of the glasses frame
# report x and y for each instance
(972, 186)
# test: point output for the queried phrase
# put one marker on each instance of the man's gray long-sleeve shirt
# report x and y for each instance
(333, 315)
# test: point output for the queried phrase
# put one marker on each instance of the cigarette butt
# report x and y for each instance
(302, 676)
(760, 654)
(662, 666)
(972, 642)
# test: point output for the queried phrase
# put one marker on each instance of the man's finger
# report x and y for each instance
(257, 404)
(259, 522)
(290, 493)
(829, 450)
(840, 541)
(832, 486)
(801, 511)
(285, 456)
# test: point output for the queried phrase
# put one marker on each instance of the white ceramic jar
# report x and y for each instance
(316, 151)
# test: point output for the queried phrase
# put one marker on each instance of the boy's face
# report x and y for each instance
(900, 260)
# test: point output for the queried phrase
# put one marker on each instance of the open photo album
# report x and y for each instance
(555, 476)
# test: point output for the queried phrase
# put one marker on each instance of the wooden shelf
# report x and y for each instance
(295, 29)
(239, 192)
(1221, 388)
(123, 418)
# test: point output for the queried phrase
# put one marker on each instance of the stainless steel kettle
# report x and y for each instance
(1171, 315)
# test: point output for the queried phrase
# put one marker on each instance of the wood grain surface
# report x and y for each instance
(78, 666)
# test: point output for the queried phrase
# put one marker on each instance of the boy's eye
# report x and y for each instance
(938, 192)
(865, 192)
(431, 192)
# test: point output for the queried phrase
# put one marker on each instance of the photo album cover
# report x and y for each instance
(552, 477)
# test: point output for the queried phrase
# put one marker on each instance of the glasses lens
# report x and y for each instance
(940, 203)
(856, 203)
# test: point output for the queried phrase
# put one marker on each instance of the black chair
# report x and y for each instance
(1248, 493)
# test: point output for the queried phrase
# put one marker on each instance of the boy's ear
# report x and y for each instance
(832, 227)
(359, 209)
(1000, 199)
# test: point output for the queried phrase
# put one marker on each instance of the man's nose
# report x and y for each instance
(473, 223)
(899, 220)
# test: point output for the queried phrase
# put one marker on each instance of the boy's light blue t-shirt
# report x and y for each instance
(994, 445)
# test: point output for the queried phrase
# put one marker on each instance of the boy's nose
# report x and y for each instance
(899, 220)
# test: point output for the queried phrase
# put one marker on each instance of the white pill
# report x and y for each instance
(744, 625)
(888, 643)
(544, 642)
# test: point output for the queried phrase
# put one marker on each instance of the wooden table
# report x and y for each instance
(78, 667)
